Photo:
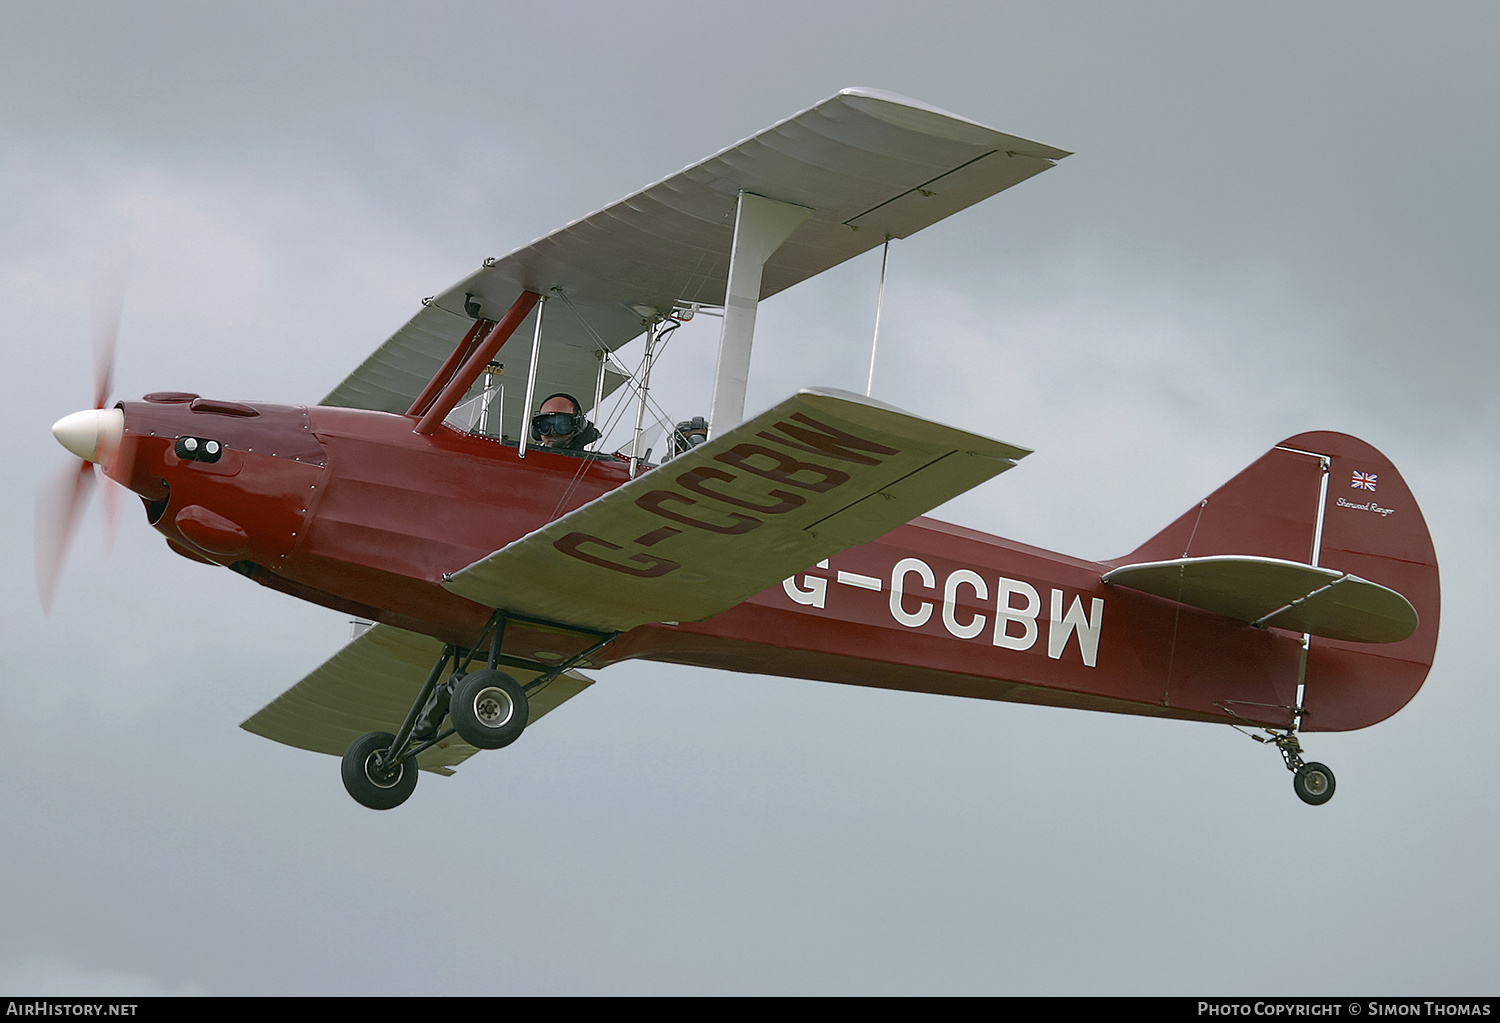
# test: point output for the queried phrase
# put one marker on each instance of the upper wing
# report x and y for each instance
(869, 165)
(819, 473)
(1277, 593)
(369, 686)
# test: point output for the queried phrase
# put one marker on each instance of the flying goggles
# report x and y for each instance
(556, 424)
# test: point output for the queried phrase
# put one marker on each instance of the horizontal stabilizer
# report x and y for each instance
(821, 472)
(369, 686)
(1280, 594)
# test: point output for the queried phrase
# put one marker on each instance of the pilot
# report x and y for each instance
(688, 434)
(560, 424)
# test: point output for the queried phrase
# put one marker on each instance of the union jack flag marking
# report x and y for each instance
(1364, 481)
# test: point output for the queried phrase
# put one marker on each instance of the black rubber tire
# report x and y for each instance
(369, 789)
(489, 709)
(1314, 784)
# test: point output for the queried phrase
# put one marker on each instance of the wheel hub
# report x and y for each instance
(493, 707)
(379, 774)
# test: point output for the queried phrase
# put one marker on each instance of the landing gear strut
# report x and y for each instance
(485, 708)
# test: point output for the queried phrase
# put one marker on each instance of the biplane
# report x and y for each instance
(497, 567)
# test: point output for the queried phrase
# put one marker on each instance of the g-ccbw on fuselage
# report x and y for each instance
(792, 543)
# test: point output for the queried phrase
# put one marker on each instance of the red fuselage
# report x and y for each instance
(353, 510)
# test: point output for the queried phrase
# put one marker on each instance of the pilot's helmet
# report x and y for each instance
(562, 424)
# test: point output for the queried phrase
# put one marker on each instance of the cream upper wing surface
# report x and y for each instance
(868, 164)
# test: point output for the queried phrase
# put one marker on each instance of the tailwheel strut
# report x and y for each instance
(1313, 782)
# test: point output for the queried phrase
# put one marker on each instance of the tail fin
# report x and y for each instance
(1330, 500)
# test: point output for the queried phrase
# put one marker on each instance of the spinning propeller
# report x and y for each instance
(94, 436)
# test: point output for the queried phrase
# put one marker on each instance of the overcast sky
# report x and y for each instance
(1280, 217)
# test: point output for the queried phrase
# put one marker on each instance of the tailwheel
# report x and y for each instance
(488, 709)
(1313, 784)
(370, 780)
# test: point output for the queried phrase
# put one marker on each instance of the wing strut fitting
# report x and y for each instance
(476, 363)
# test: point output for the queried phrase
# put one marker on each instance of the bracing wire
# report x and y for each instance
(621, 405)
(631, 377)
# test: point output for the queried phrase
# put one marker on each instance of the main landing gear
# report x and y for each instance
(487, 709)
(371, 779)
(1313, 782)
